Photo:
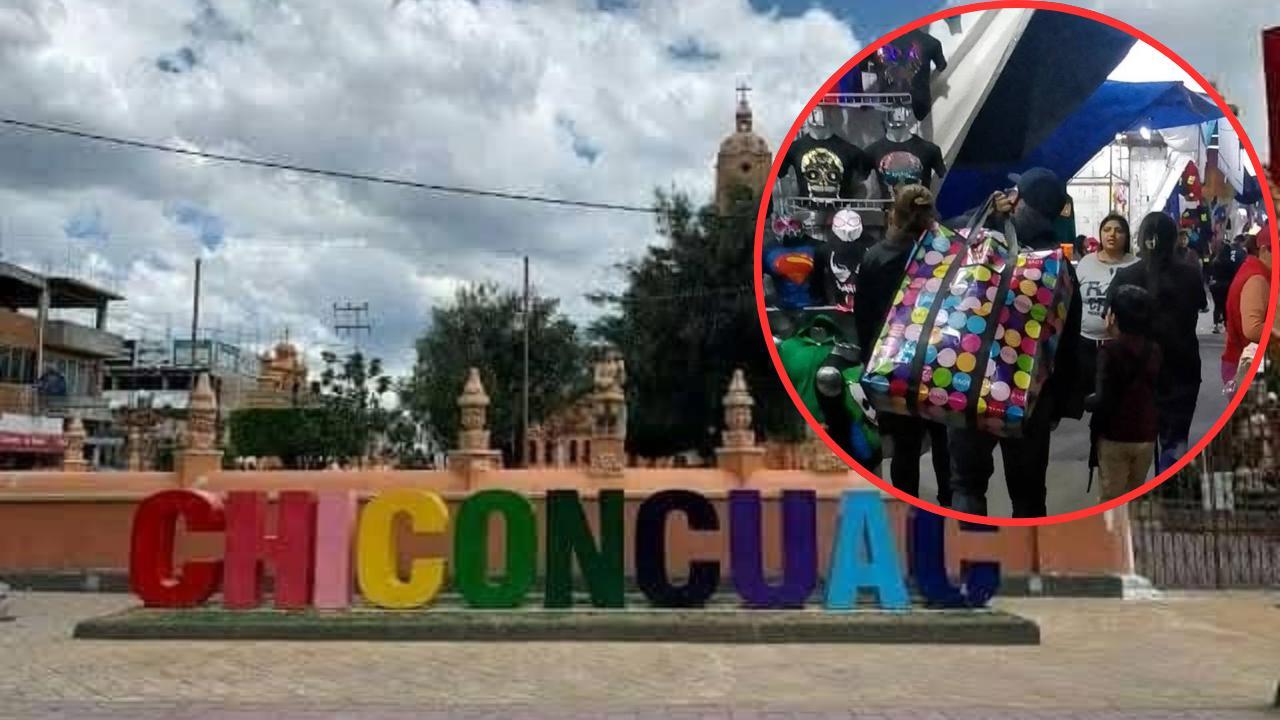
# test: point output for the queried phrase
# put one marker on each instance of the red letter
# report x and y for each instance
(290, 550)
(155, 523)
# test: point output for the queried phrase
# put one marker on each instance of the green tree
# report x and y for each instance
(351, 392)
(339, 424)
(481, 328)
(685, 321)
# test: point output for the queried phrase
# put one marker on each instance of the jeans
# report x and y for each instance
(1026, 464)
(908, 438)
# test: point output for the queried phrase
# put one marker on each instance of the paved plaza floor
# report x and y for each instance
(1183, 656)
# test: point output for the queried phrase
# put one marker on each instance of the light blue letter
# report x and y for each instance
(864, 555)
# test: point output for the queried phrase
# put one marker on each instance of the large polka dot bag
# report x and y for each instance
(971, 336)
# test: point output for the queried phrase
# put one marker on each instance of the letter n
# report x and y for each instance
(569, 535)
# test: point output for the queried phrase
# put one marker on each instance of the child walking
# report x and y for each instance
(1124, 402)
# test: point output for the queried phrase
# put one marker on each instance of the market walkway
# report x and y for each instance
(1069, 454)
(1216, 654)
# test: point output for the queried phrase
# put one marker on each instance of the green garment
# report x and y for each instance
(802, 355)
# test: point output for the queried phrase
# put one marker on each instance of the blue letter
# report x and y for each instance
(864, 555)
(926, 539)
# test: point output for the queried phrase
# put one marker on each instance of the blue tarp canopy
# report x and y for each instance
(1057, 63)
(1115, 107)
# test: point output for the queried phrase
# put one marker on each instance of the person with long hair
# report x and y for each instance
(879, 277)
(1177, 294)
(1096, 271)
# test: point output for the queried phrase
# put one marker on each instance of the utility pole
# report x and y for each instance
(195, 314)
(524, 422)
(355, 325)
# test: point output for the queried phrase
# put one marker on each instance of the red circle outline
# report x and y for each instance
(773, 177)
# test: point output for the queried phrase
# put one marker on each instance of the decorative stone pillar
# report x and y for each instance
(200, 457)
(473, 456)
(73, 454)
(738, 452)
(608, 420)
(133, 443)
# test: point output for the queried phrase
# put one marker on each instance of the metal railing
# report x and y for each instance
(1217, 523)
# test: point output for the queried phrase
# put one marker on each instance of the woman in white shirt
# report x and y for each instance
(1096, 270)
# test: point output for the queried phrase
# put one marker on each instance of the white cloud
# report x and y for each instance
(449, 91)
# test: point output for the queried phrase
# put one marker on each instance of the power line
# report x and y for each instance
(276, 165)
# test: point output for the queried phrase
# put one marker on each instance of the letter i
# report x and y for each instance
(335, 524)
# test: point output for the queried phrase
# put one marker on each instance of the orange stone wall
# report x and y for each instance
(81, 521)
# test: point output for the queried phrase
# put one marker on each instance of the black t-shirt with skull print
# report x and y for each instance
(829, 168)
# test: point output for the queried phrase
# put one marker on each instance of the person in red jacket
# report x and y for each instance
(1247, 301)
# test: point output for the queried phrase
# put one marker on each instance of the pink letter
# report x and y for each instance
(335, 519)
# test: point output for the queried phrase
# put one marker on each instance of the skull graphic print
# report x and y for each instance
(822, 170)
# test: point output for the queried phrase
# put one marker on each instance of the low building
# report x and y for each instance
(149, 385)
(53, 346)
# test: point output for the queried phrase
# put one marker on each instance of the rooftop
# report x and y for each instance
(20, 288)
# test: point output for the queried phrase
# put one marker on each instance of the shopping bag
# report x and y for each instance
(994, 316)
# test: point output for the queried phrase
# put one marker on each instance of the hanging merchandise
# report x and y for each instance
(826, 168)
(789, 261)
(994, 316)
(904, 66)
(803, 354)
(903, 158)
(847, 225)
(814, 350)
(1189, 186)
(837, 267)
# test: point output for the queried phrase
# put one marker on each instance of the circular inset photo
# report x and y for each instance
(1014, 264)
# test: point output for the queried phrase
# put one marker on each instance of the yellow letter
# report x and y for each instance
(376, 549)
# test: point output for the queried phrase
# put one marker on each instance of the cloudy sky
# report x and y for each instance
(590, 100)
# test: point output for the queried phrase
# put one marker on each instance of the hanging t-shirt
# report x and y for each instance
(791, 267)
(836, 270)
(913, 162)
(903, 66)
(828, 168)
(1095, 279)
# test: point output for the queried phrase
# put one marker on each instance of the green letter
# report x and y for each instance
(569, 535)
(471, 549)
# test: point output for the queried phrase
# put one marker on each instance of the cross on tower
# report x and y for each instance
(743, 89)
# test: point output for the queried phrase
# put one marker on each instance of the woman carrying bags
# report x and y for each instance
(879, 277)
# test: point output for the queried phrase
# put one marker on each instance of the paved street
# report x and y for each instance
(1187, 656)
(1069, 453)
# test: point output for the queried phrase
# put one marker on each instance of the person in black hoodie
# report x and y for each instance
(879, 277)
(1177, 295)
(1034, 205)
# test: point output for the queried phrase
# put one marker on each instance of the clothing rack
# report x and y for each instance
(873, 212)
(884, 101)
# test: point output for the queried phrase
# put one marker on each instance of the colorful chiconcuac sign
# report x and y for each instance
(311, 550)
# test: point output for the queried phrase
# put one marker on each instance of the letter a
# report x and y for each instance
(864, 555)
